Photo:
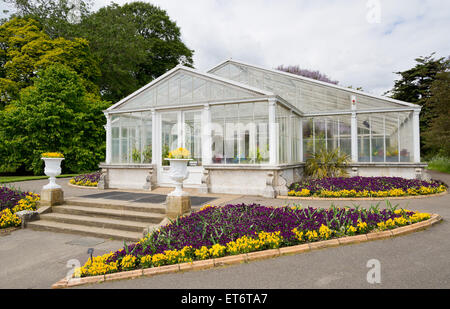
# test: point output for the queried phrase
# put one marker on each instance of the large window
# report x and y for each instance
(240, 133)
(326, 132)
(131, 138)
(385, 137)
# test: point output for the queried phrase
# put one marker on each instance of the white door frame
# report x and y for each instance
(195, 172)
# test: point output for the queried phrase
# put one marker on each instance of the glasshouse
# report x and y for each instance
(250, 130)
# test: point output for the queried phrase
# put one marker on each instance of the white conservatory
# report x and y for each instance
(250, 129)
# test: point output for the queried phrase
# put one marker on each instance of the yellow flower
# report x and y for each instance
(179, 153)
(303, 192)
(325, 232)
(52, 155)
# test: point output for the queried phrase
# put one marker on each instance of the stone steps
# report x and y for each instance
(108, 223)
(109, 213)
(111, 219)
(119, 205)
(45, 225)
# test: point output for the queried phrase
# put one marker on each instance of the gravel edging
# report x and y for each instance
(248, 257)
(286, 197)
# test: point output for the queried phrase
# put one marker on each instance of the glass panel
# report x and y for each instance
(174, 90)
(115, 158)
(377, 135)
(162, 94)
(345, 139)
(146, 139)
(131, 138)
(193, 135)
(392, 135)
(282, 119)
(247, 134)
(185, 89)
(231, 133)
(169, 134)
(406, 136)
(200, 90)
(240, 133)
(308, 138)
(124, 145)
(364, 147)
(217, 133)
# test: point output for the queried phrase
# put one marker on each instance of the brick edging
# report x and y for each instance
(7, 230)
(312, 198)
(248, 257)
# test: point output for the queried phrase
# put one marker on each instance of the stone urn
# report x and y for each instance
(52, 169)
(178, 173)
(178, 202)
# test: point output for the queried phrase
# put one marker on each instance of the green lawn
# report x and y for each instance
(440, 164)
(6, 179)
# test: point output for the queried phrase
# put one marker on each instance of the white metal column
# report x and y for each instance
(300, 146)
(273, 133)
(206, 135)
(354, 130)
(108, 139)
(416, 135)
(156, 138)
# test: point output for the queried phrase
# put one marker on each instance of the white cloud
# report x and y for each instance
(332, 36)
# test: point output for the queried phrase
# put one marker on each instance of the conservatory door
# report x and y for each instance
(181, 129)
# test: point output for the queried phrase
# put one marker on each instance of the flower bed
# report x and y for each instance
(12, 201)
(215, 232)
(87, 180)
(365, 187)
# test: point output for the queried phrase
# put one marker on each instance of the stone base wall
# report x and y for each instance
(141, 176)
(267, 181)
(405, 170)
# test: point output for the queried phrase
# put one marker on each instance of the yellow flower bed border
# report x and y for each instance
(81, 187)
(248, 257)
(316, 198)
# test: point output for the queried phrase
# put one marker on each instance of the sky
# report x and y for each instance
(357, 42)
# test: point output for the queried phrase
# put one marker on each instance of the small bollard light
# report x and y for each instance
(91, 251)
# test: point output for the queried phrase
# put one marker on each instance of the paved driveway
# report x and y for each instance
(31, 259)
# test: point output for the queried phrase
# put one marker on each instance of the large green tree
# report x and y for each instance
(25, 49)
(135, 43)
(415, 84)
(437, 135)
(59, 18)
(55, 114)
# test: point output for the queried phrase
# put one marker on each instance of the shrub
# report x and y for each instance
(326, 163)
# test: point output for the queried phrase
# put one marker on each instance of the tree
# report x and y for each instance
(414, 86)
(25, 49)
(59, 18)
(295, 69)
(437, 136)
(55, 114)
(136, 43)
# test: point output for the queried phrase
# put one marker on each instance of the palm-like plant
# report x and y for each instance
(327, 163)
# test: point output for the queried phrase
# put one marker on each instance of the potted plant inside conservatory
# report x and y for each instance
(178, 201)
(52, 193)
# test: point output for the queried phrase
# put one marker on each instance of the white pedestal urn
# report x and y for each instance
(52, 169)
(178, 201)
(51, 193)
(178, 173)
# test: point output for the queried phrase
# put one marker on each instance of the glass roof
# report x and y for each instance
(308, 96)
(185, 87)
